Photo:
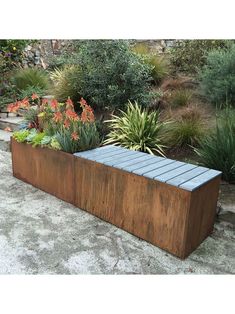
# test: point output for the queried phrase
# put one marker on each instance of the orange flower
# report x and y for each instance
(57, 116)
(8, 129)
(54, 104)
(44, 101)
(66, 123)
(87, 115)
(14, 107)
(69, 103)
(74, 136)
(83, 102)
(70, 114)
(34, 96)
(24, 103)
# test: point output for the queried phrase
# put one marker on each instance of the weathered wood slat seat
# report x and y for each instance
(177, 173)
(169, 203)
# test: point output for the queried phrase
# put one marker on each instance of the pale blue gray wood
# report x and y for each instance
(119, 158)
(150, 160)
(177, 181)
(180, 174)
(142, 170)
(104, 154)
(174, 173)
(97, 151)
(134, 161)
(200, 180)
(152, 174)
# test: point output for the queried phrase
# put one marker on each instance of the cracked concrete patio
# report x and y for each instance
(40, 234)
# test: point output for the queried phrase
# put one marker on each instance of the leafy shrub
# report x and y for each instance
(30, 77)
(137, 129)
(111, 74)
(218, 76)
(189, 55)
(186, 130)
(180, 97)
(217, 150)
(65, 83)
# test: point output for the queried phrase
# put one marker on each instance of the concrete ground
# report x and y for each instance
(40, 234)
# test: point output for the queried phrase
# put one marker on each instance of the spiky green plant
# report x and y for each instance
(217, 150)
(30, 77)
(88, 138)
(137, 129)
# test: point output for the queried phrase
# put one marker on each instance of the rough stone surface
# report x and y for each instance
(40, 234)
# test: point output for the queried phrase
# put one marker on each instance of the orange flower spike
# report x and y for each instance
(54, 104)
(74, 136)
(69, 103)
(25, 103)
(84, 117)
(34, 96)
(44, 101)
(83, 102)
(70, 114)
(57, 116)
(66, 123)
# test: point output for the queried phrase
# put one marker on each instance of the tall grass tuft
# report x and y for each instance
(217, 150)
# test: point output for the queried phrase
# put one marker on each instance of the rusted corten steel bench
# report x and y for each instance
(169, 203)
(166, 202)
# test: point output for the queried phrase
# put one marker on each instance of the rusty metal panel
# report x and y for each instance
(49, 170)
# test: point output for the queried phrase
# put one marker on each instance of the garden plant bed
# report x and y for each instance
(175, 218)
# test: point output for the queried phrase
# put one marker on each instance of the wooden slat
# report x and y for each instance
(174, 173)
(132, 162)
(177, 181)
(150, 160)
(113, 156)
(96, 151)
(143, 170)
(200, 180)
(152, 174)
(116, 160)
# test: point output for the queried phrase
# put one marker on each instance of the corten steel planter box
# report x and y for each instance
(47, 169)
(175, 218)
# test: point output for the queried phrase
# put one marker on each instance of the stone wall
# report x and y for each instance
(39, 53)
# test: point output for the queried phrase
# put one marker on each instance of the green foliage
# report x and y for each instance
(141, 48)
(189, 55)
(21, 136)
(30, 90)
(65, 83)
(111, 74)
(31, 77)
(217, 150)
(137, 129)
(180, 98)
(88, 138)
(218, 76)
(186, 130)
